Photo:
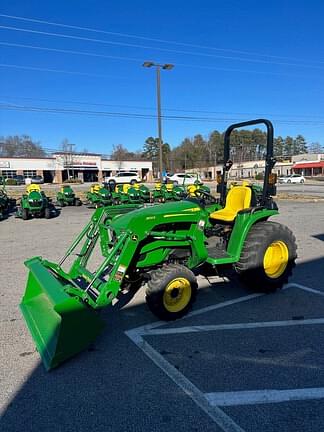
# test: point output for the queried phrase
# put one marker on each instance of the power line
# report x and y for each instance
(140, 60)
(258, 114)
(51, 70)
(7, 106)
(127, 35)
(82, 38)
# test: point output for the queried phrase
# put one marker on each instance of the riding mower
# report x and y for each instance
(133, 194)
(99, 196)
(66, 197)
(168, 192)
(34, 203)
(6, 204)
(163, 247)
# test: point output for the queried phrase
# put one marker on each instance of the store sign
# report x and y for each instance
(4, 164)
(89, 163)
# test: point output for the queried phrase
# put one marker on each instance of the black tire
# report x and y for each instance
(288, 181)
(24, 213)
(132, 182)
(157, 298)
(302, 181)
(250, 267)
(47, 213)
(77, 202)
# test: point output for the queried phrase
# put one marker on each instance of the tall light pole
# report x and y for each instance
(158, 67)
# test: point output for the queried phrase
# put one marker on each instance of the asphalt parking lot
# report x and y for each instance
(238, 362)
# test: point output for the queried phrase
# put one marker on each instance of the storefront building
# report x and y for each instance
(87, 167)
(309, 165)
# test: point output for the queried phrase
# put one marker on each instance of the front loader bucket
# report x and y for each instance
(60, 325)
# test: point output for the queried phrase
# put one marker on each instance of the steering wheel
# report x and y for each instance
(204, 195)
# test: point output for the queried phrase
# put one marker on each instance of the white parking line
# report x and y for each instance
(147, 327)
(238, 326)
(263, 396)
(225, 422)
(210, 402)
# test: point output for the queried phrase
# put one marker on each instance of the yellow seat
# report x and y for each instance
(33, 187)
(191, 189)
(238, 198)
(169, 187)
(95, 188)
(125, 188)
(157, 186)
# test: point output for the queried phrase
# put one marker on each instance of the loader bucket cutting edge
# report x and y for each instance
(61, 325)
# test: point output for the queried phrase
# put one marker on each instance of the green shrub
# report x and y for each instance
(259, 176)
(11, 182)
(75, 180)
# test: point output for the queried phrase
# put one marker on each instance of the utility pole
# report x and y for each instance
(158, 67)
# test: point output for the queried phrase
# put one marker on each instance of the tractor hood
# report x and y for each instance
(35, 196)
(148, 217)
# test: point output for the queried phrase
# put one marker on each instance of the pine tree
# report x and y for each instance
(300, 145)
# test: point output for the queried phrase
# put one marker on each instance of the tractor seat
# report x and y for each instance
(191, 189)
(33, 188)
(126, 186)
(238, 198)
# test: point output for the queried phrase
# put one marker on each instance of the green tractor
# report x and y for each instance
(6, 204)
(67, 197)
(162, 247)
(34, 203)
(99, 196)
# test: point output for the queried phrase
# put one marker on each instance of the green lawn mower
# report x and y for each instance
(67, 197)
(99, 196)
(6, 204)
(34, 203)
(162, 247)
(133, 193)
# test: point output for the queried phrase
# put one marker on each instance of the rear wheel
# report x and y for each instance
(268, 257)
(171, 291)
(133, 182)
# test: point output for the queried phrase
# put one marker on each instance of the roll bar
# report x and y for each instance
(270, 161)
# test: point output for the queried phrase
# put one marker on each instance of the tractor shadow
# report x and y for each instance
(113, 386)
(319, 236)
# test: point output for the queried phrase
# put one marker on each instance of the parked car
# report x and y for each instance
(37, 179)
(293, 178)
(184, 178)
(20, 179)
(124, 177)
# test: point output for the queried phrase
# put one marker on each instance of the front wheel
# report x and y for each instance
(171, 291)
(47, 213)
(25, 213)
(268, 257)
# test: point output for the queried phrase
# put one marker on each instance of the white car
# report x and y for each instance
(184, 178)
(293, 178)
(130, 177)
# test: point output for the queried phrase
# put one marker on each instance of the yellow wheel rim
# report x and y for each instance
(177, 295)
(276, 259)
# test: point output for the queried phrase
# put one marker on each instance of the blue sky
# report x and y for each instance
(255, 59)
